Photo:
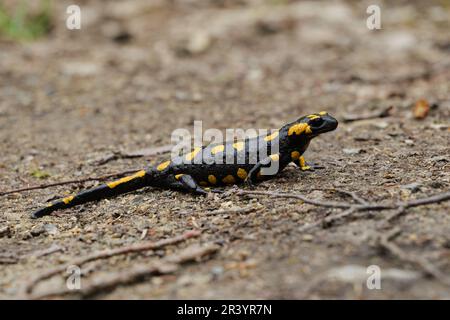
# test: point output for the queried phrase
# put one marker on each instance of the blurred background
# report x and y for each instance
(138, 69)
(135, 66)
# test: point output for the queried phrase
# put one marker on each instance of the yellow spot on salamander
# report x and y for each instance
(295, 155)
(67, 200)
(203, 183)
(323, 113)
(241, 173)
(212, 179)
(313, 116)
(178, 176)
(217, 149)
(138, 174)
(272, 136)
(229, 179)
(299, 128)
(163, 165)
(238, 145)
(192, 155)
(274, 157)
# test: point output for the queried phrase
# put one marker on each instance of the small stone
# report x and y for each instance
(351, 150)
(436, 184)
(4, 231)
(439, 126)
(37, 231)
(381, 124)
(217, 271)
(439, 158)
(198, 43)
(50, 229)
(197, 97)
(409, 142)
(399, 41)
(81, 68)
(413, 187)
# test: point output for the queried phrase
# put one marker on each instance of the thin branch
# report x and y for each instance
(327, 221)
(233, 211)
(104, 254)
(351, 208)
(75, 181)
(118, 278)
(354, 196)
(373, 115)
(342, 205)
(394, 215)
(428, 200)
(358, 207)
(427, 267)
(147, 152)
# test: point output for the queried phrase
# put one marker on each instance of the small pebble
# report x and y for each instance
(50, 229)
(4, 231)
(351, 150)
(413, 187)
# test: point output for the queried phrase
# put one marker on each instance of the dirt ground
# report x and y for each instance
(137, 70)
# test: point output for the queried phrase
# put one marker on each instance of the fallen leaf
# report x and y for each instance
(421, 109)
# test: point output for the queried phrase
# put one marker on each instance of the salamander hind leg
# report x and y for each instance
(188, 183)
(255, 173)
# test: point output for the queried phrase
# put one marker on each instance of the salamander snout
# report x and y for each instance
(322, 122)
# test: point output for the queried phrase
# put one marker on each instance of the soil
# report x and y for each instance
(137, 70)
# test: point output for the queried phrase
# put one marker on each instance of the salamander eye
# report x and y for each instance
(316, 122)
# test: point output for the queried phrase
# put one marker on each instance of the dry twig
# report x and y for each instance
(116, 155)
(327, 221)
(384, 240)
(165, 266)
(356, 207)
(104, 254)
(351, 208)
(74, 181)
(147, 152)
(243, 210)
(373, 115)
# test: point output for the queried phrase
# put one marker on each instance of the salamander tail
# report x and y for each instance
(124, 185)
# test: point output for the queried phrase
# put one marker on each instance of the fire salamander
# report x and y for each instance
(240, 162)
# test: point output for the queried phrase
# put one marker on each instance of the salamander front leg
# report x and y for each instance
(303, 165)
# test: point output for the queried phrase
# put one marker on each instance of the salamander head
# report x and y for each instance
(312, 125)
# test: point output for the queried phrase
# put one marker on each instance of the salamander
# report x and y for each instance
(216, 164)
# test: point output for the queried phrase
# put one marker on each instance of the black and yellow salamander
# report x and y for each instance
(240, 161)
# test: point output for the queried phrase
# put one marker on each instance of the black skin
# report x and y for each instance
(186, 175)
